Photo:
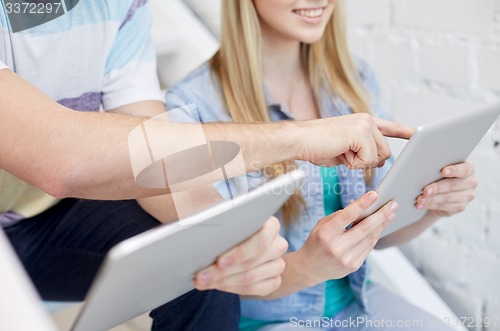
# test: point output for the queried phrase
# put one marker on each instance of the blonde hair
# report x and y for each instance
(238, 68)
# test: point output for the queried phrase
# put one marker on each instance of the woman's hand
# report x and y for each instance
(332, 252)
(451, 195)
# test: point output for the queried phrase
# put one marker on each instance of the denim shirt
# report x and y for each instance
(202, 90)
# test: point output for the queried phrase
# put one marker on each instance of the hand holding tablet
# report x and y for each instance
(429, 151)
(451, 194)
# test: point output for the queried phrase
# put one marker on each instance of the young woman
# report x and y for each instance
(288, 60)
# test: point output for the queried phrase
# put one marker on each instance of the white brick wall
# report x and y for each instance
(435, 58)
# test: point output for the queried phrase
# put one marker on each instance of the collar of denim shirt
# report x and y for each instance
(329, 105)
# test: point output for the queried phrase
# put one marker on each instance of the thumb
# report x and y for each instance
(350, 156)
(349, 214)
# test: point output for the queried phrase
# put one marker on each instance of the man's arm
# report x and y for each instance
(75, 154)
(69, 153)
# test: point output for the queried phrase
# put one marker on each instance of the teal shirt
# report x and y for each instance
(338, 293)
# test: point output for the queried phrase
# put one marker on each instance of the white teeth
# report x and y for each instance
(310, 12)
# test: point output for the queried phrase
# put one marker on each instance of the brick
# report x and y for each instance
(445, 63)
(441, 261)
(487, 166)
(436, 58)
(492, 312)
(460, 16)
(493, 232)
(359, 44)
(488, 62)
(368, 12)
(461, 302)
(467, 227)
(419, 107)
(411, 252)
(393, 59)
(482, 274)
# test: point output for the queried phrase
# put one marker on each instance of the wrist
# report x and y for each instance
(304, 269)
(430, 217)
(299, 136)
(291, 138)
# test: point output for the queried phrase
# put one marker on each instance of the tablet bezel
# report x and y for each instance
(433, 146)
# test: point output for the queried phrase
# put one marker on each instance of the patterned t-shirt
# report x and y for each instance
(88, 56)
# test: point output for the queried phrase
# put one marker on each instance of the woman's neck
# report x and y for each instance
(281, 61)
(286, 78)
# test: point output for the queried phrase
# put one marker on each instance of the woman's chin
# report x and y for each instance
(310, 39)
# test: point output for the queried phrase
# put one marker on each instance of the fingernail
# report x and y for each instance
(430, 191)
(447, 172)
(226, 262)
(420, 207)
(372, 196)
(394, 206)
(204, 278)
(423, 201)
(392, 217)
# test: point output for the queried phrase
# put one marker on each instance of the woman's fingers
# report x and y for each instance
(356, 254)
(451, 195)
(450, 185)
(359, 252)
(370, 226)
(438, 200)
(449, 209)
(338, 221)
(461, 170)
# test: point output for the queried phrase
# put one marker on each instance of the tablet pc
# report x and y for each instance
(433, 146)
(148, 270)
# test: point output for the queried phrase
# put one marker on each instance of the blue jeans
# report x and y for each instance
(385, 311)
(63, 247)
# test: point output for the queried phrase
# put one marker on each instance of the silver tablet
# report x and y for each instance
(150, 269)
(433, 147)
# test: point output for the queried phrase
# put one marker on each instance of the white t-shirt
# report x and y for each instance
(94, 55)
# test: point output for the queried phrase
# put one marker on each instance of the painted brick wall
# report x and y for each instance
(435, 58)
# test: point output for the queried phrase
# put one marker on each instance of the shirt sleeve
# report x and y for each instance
(130, 72)
(2, 65)
(181, 108)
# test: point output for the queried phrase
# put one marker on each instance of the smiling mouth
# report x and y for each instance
(312, 13)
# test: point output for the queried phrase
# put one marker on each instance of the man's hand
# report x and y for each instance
(252, 268)
(452, 194)
(355, 140)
